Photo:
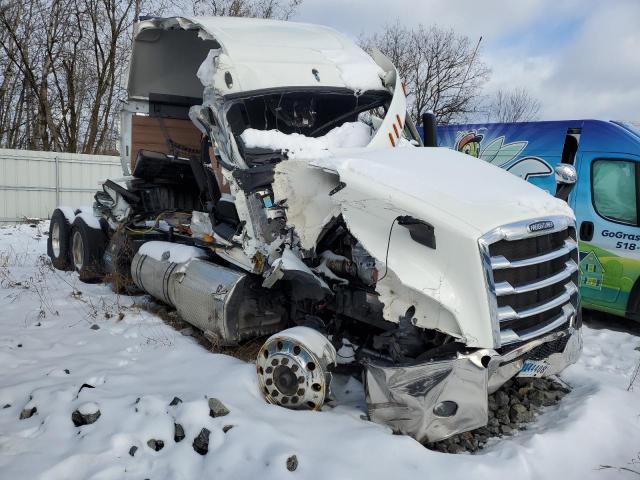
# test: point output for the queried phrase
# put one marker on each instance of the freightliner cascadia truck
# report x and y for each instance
(274, 186)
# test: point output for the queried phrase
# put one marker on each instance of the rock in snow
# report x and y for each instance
(292, 463)
(155, 444)
(28, 412)
(511, 408)
(201, 442)
(86, 414)
(217, 408)
(178, 434)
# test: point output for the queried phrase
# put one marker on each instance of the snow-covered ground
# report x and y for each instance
(50, 346)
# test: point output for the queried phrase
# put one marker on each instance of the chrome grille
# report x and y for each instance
(532, 278)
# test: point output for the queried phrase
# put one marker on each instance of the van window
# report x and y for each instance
(614, 190)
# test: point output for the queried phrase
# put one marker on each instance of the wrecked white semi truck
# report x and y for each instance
(274, 185)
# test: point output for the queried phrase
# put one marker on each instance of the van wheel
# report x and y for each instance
(58, 243)
(87, 248)
(633, 305)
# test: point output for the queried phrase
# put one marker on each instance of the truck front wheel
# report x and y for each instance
(87, 248)
(58, 243)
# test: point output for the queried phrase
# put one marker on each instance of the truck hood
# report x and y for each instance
(462, 198)
(435, 181)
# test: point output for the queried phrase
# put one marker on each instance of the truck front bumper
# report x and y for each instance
(435, 400)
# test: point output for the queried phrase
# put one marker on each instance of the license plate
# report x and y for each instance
(533, 368)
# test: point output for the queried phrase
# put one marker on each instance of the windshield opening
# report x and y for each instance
(309, 113)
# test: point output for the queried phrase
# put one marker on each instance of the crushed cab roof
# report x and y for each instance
(245, 54)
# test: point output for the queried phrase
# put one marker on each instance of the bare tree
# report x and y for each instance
(516, 105)
(279, 9)
(63, 65)
(67, 55)
(442, 71)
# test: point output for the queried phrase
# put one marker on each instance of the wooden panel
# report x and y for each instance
(147, 133)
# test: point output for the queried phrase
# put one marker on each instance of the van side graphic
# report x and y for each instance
(500, 154)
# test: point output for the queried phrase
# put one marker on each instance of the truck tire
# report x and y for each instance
(87, 248)
(59, 241)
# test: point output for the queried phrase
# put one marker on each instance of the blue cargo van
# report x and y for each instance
(606, 198)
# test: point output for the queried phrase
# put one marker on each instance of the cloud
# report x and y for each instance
(581, 58)
(493, 19)
(594, 74)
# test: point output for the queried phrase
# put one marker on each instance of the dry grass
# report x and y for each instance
(247, 351)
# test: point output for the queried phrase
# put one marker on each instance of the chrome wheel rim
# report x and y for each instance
(55, 239)
(293, 368)
(77, 250)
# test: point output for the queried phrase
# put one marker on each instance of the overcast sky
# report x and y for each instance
(581, 58)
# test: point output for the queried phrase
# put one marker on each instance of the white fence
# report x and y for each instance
(33, 183)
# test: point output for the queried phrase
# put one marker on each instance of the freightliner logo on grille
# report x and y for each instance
(540, 226)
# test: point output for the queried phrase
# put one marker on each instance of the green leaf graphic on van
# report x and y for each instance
(500, 154)
(490, 151)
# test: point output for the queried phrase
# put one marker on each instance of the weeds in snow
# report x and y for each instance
(634, 377)
(36, 283)
(635, 463)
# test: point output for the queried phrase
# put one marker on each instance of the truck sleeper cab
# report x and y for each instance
(274, 185)
(606, 200)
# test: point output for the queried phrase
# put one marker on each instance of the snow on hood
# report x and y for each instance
(439, 179)
(347, 135)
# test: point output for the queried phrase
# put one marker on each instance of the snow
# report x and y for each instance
(88, 408)
(170, 252)
(68, 212)
(347, 135)
(357, 69)
(137, 364)
(89, 219)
